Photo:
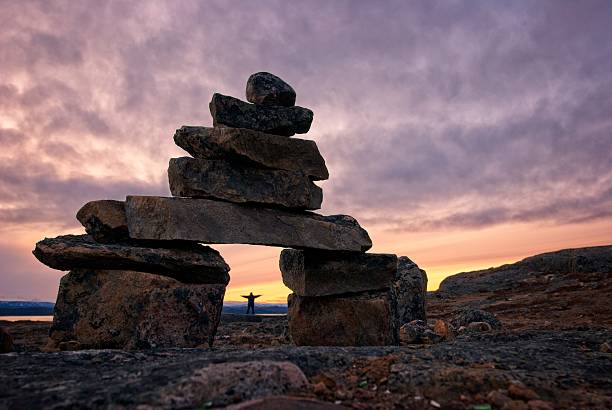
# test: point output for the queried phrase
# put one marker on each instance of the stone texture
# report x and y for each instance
(188, 263)
(224, 383)
(104, 220)
(232, 112)
(410, 289)
(321, 273)
(134, 310)
(267, 89)
(202, 178)
(241, 144)
(366, 319)
(208, 221)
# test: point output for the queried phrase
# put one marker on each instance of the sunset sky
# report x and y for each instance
(461, 134)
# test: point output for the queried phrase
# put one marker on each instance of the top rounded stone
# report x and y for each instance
(267, 89)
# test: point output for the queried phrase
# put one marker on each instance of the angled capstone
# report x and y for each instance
(253, 147)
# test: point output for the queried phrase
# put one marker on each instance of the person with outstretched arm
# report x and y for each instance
(251, 304)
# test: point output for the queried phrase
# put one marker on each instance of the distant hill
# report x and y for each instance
(558, 268)
(25, 308)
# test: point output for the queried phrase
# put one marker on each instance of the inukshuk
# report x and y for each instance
(246, 182)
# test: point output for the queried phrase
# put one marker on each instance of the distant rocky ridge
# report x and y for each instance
(550, 267)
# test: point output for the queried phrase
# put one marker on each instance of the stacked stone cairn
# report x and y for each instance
(142, 278)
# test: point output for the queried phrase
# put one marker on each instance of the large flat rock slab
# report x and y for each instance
(232, 112)
(203, 178)
(134, 310)
(208, 221)
(322, 273)
(365, 319)
(187, 263)
(241, 144)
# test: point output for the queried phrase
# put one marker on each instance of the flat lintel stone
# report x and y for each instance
(241, 144)
(321, 273)
(187, 263)
(204, 178)
(209, 221)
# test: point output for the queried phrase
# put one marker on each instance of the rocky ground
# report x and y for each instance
(553, 351)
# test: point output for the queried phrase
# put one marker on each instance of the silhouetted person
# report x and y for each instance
(251, 305)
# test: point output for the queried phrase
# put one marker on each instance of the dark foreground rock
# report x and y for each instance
(188, 263)
(564, 368)
(321, 273)
(410, 289)
(248, 146)
(267, 89)
(203, 178)
(366, 319)
(232, 112)
(285, 403)
(104, 220)
(134, 310)
(208, 221)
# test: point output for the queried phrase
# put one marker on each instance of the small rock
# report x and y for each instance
(605, 348)
(267, 89)
(418, 332)
(443, 329)
(517, 391)
(479, 327)
(467, 316)
(6, 341)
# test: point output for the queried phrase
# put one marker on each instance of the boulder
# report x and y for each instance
(365, 319)
(410, 289)
(104, 220)
(221, 384)
(267, 89)
(467, 316)
(232, 112)
(117, 309)
(321, 273)
(187, 263)
(208, 221)
(253, 147)
(203, 178)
